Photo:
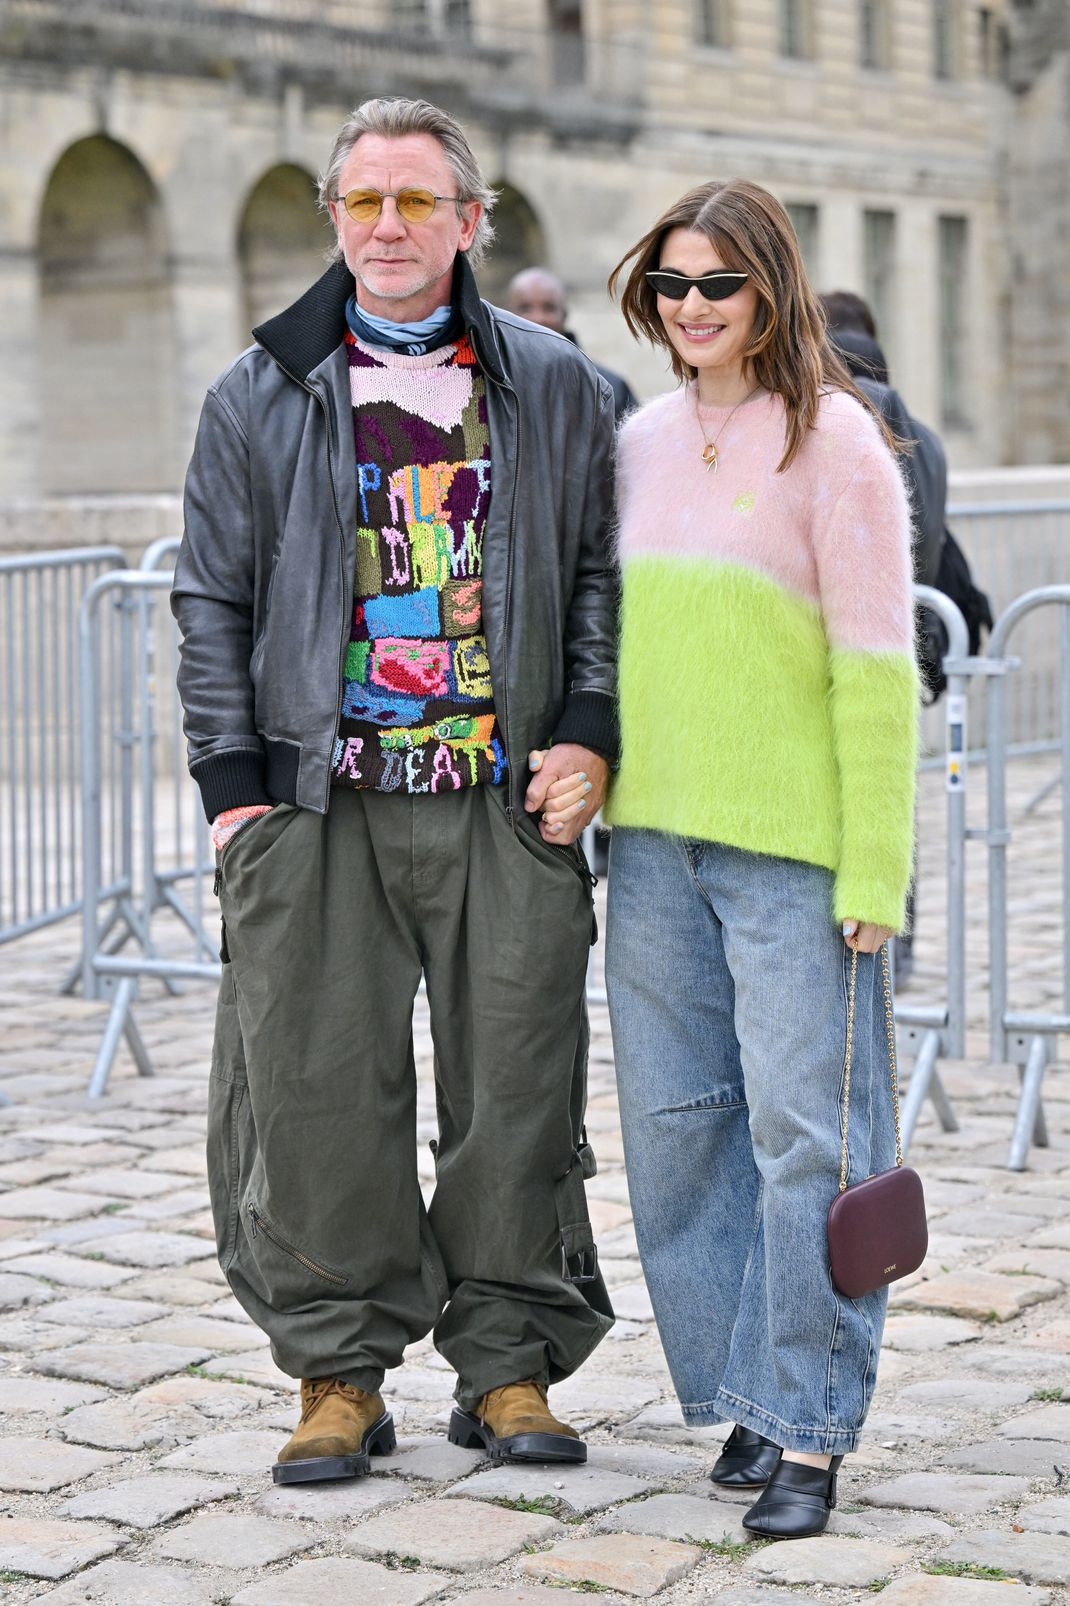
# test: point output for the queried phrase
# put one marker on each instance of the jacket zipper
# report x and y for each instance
(260, 1225)
(509, 810)
(508, 604)
(311, 391)
(342, 575)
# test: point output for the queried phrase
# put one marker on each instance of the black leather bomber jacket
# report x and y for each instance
(264, 581)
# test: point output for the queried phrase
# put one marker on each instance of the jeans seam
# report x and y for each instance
(700, 1109)
(830, 1370)
(693, 853)
(758, 1203)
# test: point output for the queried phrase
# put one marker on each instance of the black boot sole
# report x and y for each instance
(470, 1433)
(380, 1439)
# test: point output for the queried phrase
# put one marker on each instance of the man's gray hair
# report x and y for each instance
(393, 118)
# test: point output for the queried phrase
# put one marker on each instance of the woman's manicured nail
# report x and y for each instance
(556, 827)
(583, 775)
(534, 761)
(849, 928)
(587, 786)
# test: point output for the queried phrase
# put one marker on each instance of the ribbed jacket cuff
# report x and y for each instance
(229, 780)
(590, 720)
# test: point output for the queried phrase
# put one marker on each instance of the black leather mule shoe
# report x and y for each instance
(746, 1460)
(796, 1501)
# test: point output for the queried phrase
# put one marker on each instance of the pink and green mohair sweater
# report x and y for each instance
(768, 689)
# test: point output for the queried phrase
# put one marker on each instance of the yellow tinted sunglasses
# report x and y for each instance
(415, 205)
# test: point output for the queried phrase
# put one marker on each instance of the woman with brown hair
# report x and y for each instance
(762, 821)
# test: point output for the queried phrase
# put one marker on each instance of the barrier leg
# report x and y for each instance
(136, 1044)
(117, 1025)
(921, 1078)
(945, 1114)
(1045, 792)
(1030, 1117)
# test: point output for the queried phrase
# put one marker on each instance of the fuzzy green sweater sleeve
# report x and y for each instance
(873, 705)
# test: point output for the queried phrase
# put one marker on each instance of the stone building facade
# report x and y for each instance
(1038, 218)
(157, 160)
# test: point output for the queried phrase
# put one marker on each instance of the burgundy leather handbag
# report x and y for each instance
(877, 1230)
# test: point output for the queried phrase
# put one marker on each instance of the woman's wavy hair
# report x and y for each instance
(789, 351)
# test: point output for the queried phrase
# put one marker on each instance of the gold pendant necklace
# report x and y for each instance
(710, 454)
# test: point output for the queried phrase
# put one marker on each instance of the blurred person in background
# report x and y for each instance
(853, 331)
(762, 825)
(939, 561)
(539, 295)
(398, 675)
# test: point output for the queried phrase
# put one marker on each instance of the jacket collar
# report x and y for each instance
(312, 328)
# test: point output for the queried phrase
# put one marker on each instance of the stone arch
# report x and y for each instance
(519, 242)
(108, 371)
(283, 240)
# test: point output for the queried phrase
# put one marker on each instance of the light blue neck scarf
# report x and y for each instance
(414, 338)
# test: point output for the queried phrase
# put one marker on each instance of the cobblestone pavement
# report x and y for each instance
(141, 1410)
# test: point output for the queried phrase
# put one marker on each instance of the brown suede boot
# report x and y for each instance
(514, 1423)
(341, 1427)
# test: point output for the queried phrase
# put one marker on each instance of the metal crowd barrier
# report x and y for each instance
(1015, 547)
(934, 1032)
(169, 846)
(40, 819)
(1023, 1038)
(146, 847)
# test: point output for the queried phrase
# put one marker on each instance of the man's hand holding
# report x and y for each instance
(568, 787)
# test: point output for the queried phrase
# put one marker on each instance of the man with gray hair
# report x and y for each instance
(398, 676)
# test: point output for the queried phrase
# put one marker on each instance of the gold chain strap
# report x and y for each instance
(889, 1022)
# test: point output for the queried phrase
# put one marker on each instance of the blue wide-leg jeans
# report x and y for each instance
(728, 983)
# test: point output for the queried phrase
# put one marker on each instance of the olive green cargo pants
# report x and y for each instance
(329, 921)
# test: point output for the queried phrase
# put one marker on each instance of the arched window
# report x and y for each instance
(109, 380)
(283, 241)
(519, 242)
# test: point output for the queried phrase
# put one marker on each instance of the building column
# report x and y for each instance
(207, 301)
(839, 265)
(20, 396)
(917, 375)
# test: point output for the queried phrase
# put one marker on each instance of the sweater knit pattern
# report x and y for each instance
(417, 707)
(771, 614)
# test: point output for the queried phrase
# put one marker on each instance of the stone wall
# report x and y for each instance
(223, 114)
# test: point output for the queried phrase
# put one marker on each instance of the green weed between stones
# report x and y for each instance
(113, 1207)
(14, 1578)
(877, 1585)
(405, 1564)
(543, 1505)
(966, 1569)
(732, 1548)
(1047, 1395)
(218, 1377)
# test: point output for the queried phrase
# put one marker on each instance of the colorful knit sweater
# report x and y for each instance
(417, 707)
(767, 682)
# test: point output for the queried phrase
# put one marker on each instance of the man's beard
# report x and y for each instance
(394, 291)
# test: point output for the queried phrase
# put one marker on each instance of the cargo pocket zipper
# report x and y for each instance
(260, 1225)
